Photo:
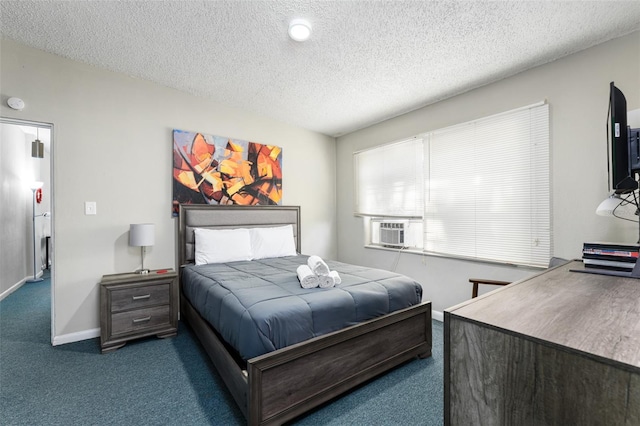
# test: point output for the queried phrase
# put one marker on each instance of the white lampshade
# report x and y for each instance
(616, 206)
(608, 205)
(141, 234)
(36, 185)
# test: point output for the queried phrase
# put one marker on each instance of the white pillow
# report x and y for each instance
(222, 245)
(272, 242)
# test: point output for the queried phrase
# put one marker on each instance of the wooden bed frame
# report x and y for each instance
(286, 383)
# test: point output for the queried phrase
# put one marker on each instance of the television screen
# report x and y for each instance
(622, 180)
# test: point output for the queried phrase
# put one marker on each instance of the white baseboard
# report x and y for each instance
(12, 288)
(76, 337)
(437, 315)
(17, 285)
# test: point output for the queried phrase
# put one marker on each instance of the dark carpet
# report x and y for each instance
(169, 381)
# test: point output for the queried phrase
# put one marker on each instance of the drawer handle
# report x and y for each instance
(146, 296)
(138, 320)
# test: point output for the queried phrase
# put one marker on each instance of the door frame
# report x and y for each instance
(50, 126)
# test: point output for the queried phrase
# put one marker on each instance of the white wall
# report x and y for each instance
(577, 89)
(15, 211)
(113, 145)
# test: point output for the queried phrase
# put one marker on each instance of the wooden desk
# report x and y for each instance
(560, 348)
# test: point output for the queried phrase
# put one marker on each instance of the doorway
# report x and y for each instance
(26, 205)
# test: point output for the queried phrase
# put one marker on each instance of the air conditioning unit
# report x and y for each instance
(392, 234)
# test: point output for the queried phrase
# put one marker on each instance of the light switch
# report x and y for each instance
(90, 207)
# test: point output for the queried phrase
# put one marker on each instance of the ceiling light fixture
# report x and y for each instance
(37, 147)
(299, 29)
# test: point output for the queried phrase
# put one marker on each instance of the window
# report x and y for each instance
(389, 193)
(389, 180)
(487, 188)
(482, 189)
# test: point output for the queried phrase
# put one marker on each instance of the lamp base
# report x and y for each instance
(34, 280)
(142, 271)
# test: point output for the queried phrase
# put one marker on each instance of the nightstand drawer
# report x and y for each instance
(137, 305)
(126, 322)
(139, 297)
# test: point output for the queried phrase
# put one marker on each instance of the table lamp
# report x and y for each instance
(142, 235)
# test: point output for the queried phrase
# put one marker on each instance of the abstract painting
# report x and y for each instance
(211, 169)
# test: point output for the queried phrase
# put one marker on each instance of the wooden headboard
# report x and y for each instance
(231, 216)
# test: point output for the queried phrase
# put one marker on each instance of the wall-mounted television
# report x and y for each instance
(624, 161)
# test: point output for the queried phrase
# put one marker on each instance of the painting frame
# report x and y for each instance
(211, 169)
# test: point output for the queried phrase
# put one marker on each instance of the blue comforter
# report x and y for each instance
(259, 306)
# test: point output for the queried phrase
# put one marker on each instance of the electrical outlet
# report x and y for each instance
(90, 207)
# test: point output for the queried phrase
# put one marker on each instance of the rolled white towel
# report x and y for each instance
(326, 281)
(317, 265)
(307, 278)
(336, 277)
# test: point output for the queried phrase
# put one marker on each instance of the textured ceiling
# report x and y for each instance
(366, 61)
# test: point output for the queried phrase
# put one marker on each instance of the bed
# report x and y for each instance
(281, 384)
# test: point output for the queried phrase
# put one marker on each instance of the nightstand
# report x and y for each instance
(137, 305)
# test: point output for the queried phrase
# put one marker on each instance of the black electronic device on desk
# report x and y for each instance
(619, 260)
(623, 161)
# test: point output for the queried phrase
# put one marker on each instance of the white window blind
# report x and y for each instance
(389, 180)
(487, 188)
